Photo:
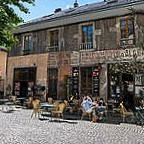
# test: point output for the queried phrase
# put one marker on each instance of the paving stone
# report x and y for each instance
(18, 128)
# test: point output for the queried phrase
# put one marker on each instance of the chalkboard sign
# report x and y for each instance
(95, 74)
(75, 80)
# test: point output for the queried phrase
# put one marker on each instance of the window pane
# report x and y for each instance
(84, 34)
(28, 43)
(131, 28)
(23, 74)
(90, 33)
(127, 29)
(87, 34)
(123, 24)
(54, 38)
(16, 75)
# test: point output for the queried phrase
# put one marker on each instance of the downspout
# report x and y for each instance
(6, 71)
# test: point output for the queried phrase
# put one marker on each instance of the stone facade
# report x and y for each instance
(107, 46)
(3, 57)
(39, 61)
(3, 61)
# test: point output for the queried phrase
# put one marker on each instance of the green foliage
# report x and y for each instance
(132, 67)
(9, 20)
(141, 41)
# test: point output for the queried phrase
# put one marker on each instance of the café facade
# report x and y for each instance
(81, 50)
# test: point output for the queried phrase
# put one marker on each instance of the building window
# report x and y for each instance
(87, 37)
(54, 40)
(127, 32)
(28, 44)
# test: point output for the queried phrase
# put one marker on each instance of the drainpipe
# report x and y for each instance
(79, 73)
(6, 69)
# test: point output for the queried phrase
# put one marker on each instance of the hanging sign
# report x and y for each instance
(96, 74)
(75, 80)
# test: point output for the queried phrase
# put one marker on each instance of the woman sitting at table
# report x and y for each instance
(87, 105)
(101, 108)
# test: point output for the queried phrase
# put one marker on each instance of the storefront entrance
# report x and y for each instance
(121, 88)
(86, 80)
(53, 79)
(24, 81)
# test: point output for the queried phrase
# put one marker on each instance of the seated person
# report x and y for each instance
(101, 108)
(101, 102)
(87, 105)
(29, 101)
(50, 100)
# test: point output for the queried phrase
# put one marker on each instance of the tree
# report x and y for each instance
(9, 20)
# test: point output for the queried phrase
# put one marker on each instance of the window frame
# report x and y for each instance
(127, 27)
(88, 42)
(27, 45)
(87, 33)
(55, 38)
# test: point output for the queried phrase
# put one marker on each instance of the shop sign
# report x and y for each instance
(75, 80)
(111, 55)
(95, 74)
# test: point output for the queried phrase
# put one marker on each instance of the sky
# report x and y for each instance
(45, 7)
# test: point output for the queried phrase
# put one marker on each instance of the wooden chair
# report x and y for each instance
(28, 103)
(84, 113)
(124, 112)
(59, 111)
(36, 108)
(15, 100)
(56, 105)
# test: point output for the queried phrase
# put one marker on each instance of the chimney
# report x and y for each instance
(76, 4)
(58, 10)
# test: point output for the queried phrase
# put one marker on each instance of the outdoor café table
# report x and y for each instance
(47, 107)
(3, 101)
(140, 108)
(21, 99)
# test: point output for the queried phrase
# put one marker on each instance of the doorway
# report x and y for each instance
(24, 89)
(120, 87)
(24, 81)
(53, 79)
(86, 79)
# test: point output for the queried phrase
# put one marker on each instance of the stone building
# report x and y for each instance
(73, 51)
(3, 60)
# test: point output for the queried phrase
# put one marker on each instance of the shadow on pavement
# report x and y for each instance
(58, 121)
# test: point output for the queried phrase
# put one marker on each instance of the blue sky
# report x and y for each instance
(44, 7)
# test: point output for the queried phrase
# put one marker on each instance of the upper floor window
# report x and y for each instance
(28, 44)
(87, 37)
(127, 31)
(54, 40)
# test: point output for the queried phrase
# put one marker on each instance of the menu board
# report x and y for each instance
(75, 80)
(17, 88)
(95, 74)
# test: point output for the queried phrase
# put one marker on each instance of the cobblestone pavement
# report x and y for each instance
(19, 128)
